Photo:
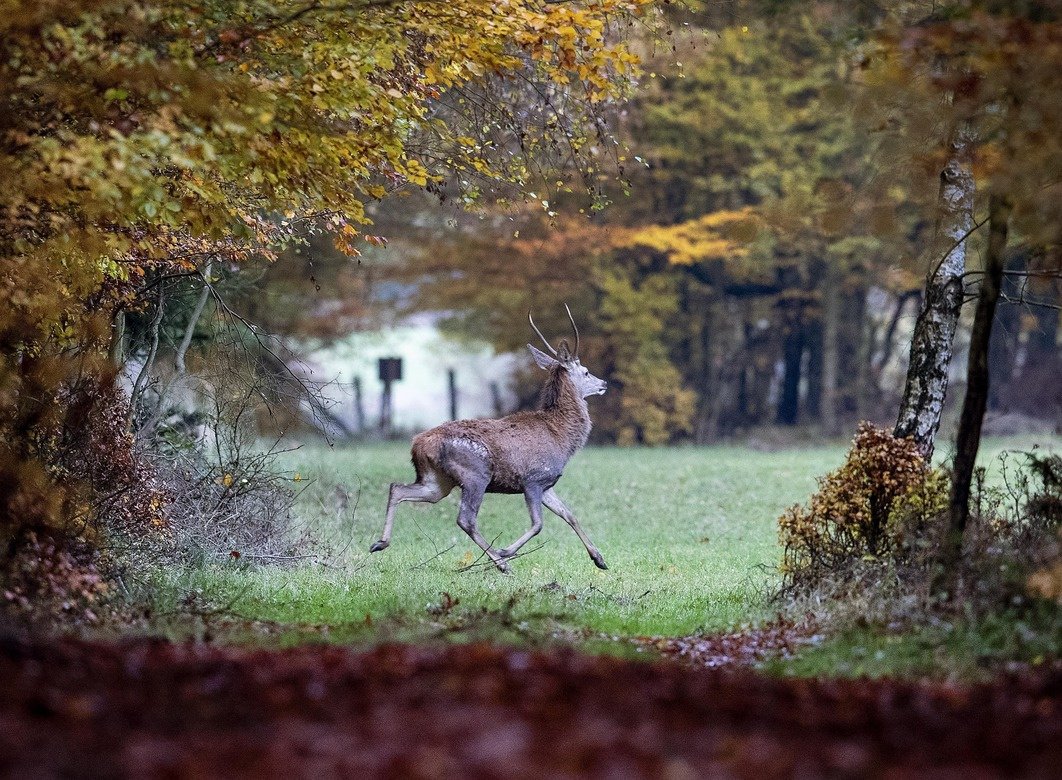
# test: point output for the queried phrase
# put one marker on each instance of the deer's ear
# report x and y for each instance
(543, 360)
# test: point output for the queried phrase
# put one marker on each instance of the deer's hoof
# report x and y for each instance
(380, 545)
(599, 562)
(504, 567)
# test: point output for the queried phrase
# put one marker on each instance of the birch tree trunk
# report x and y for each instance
(931, 345)
(179, 381)
(149, 362)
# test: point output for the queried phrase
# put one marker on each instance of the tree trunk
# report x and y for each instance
(888, 340)
(816, 360)
(117, 348)
(149, 361)
(831, 329)
(932, 343)
(814, 336)
(973, 407)
(702, 371)
(851, 344)
(179, 381)
(792, 355)
(706, 387)
(189, 330)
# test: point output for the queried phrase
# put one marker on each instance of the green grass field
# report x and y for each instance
(688, 533)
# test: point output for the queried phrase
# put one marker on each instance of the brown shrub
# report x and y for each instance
(107, 500)
(852, 515)
(53, 580)
(117, 488)
(1011, 558)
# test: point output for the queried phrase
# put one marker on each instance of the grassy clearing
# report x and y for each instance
(688, 533)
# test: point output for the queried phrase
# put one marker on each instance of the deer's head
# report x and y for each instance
(586, 384)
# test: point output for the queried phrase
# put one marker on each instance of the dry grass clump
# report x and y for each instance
(229, 499)
(236, 507)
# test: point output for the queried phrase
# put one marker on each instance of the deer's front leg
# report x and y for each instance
(533, 497)
(471, 499)
(556, 506)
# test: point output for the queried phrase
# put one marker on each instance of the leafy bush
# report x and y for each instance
(118, 491)
(1011, 562)
(58, 564)
(1045, 505)
(1046, 582)
(853, 514)
(88, 449)
(1014, 532)
(52, 579)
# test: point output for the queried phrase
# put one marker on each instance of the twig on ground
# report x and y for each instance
(432, 558)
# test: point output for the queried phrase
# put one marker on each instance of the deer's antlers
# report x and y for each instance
(574, 354)
(533, 325)
(570, 317)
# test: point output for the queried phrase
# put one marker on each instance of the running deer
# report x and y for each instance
(523, 452)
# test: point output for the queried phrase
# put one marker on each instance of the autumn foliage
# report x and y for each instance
(853, 513)
(141, 140)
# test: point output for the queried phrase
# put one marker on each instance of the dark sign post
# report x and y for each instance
(453, 394)
(390, 371)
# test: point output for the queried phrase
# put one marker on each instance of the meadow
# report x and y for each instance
(689, 536)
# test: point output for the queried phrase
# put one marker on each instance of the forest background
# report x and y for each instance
(746, 204)
(772, 195)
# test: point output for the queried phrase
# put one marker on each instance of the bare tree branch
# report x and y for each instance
(957, 243)
(193, 320)
(145, 370)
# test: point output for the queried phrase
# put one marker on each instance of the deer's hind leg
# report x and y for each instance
(533, 497)
(471, 499)
(556, 506)
(431, 486)
(467, 461)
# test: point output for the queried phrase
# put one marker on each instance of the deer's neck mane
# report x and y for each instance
(565, 408)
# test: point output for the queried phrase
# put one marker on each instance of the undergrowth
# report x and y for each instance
(861, 561)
